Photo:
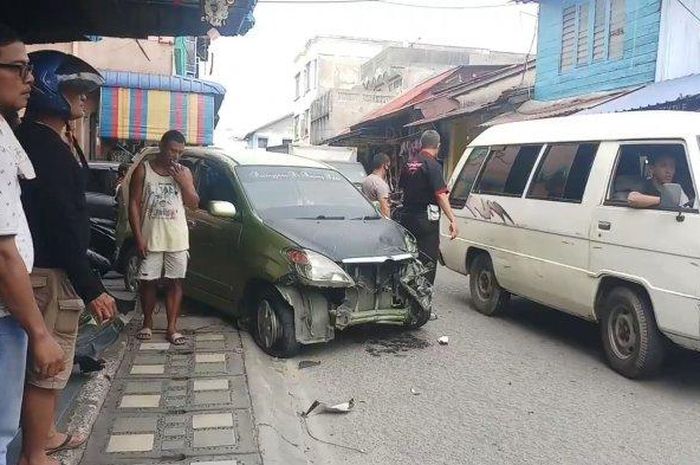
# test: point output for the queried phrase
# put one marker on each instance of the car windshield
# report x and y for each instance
(283, 192)
(355, 172)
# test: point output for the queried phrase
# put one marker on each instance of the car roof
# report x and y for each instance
(650, 124)
(249, 157)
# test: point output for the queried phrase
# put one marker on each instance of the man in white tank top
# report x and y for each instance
(159, 191)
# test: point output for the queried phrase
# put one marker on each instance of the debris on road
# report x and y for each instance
(444, 340)
(322, 407)
(415, 392)
(308, 364)
(433, 316)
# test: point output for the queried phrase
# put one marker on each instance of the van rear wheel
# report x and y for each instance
(633, 344)
(488, 297)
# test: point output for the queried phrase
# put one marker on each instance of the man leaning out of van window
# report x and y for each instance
(662, 169)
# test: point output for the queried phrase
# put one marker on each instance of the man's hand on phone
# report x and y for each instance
(180, 174)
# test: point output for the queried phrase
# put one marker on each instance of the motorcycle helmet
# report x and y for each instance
(55, 71)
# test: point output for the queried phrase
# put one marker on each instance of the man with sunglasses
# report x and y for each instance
(19, 315)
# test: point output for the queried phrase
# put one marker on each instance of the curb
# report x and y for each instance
(281, 438)
(88, 403)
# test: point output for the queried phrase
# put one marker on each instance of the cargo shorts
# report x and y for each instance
(61, 307)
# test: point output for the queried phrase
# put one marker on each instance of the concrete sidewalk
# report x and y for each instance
(182, 405)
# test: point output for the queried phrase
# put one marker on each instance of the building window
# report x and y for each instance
(296, 127)
(307, 77)
(262, 142)
(286, 142)
(593, 30)
(395, 83)
(313, 74)
(297, 86)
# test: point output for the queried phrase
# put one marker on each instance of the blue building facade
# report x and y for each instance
(588, 46)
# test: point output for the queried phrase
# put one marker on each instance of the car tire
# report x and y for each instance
(132, 263)
(273, 325)
(419, 320)
(488, 297)
(632, 342)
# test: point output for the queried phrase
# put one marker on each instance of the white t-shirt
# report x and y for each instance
(14, 163)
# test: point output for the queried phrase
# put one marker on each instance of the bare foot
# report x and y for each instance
(38, 461)
(63, 441)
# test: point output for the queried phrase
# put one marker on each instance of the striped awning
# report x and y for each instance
(141, 106)
(146, 114)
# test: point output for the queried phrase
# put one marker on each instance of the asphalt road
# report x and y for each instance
(527, 388)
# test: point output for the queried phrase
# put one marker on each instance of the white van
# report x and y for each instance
(544, 213)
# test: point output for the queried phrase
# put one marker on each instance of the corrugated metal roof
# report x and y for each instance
(652, 94)
(538, 109)
(131, 80)
(406, 99)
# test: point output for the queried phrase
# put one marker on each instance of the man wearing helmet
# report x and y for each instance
(58, 218)
(20, 318)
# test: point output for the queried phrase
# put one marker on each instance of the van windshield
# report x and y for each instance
(283, 192)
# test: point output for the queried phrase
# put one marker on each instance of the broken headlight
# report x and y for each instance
(317, 270)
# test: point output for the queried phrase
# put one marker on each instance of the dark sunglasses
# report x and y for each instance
(22, 68)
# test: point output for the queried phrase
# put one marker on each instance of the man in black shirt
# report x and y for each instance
(425, 194)
(58, 219)
(662, 169)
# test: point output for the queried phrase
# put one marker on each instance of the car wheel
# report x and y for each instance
(419, 318)
(488, 297)
(274, 325)
(633, 344)
(132, 264)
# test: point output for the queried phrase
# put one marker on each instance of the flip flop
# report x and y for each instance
(144, 334)
(71, 442)
(176, 339)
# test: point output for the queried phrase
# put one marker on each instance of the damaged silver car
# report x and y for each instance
(290, 247)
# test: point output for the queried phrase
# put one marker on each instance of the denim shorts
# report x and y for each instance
(13, 361)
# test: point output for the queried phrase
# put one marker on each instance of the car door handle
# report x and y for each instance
(604, 225)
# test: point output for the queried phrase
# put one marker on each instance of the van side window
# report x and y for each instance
(508, 169)
(643, 169)
(563, 173)
(465, 181)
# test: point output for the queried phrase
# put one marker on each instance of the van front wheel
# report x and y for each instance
(274, 325)
(488, 297)
(633, 344)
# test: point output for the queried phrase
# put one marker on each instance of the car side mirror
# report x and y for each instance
(671, 195)
(222, 209)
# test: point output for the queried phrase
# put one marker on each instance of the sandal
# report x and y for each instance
(144, 334)
(176, 339)
(71, 442)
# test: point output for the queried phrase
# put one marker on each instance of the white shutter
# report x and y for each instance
(568, 38)
(616, 41)
(582, 35)
(602, 7)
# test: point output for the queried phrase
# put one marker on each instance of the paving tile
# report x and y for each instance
(214, 438)
(225, 462)
(212, 420)
(150, 359)
(173, 444)
(135, 425)
(202, 368)
(140, 401)
(211, 385)
(130, 443)
(175, 431)
(147, 369)
(212, 397)
(209, 337)
(211, 345)
(143, 387)
(154, 346)
(210, 358)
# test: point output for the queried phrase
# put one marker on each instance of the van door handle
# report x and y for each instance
(604, 225)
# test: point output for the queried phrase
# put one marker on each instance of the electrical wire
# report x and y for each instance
(689, 10)
(386, 2)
